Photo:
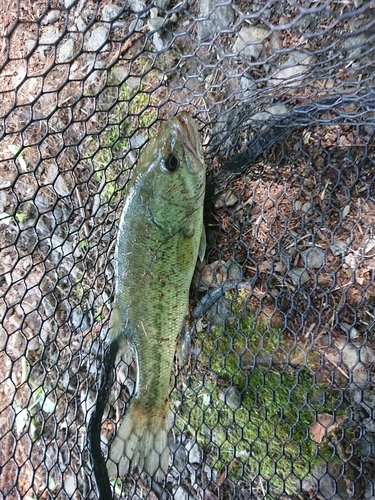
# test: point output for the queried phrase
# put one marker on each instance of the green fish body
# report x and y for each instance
(160, 237)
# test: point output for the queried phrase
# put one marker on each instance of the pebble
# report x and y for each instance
(52, 16)
(234, 271)
(162, 40)
(155, 23)
(181, 494)
(110, 12)
(98, 38)
(232, 397)
(69, 3)
(180, 458)
(307, 207)
(220, 17)
(220, 312)
(162, 4)
(66, 50)
(299, 275)
(137, 5)
(136, 25)
(137, 141)
(49, 36)
(355, 45)
(350, 356)
(291, 72)
(338, 247)
(228, 199)
(270, 112)
(249, 87)
(250, 42)
(80, 23)
(195, 454)
(369, 245)
(350, 261)
(314, 257)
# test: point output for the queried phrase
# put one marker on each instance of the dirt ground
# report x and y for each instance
(298, 222)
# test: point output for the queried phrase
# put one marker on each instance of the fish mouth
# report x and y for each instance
(189, 136)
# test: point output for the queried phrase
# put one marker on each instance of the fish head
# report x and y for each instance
(174, 172)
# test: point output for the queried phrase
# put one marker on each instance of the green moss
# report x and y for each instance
(267, 432)
(129, 109)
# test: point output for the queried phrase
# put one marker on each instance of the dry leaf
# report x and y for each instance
(325, 424)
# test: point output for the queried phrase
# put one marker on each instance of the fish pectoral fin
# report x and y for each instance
(202, 244)
(188, 230)
(183, 346)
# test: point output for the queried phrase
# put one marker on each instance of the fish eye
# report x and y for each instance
(171, 163)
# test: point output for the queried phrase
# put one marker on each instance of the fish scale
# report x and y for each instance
(160, 237)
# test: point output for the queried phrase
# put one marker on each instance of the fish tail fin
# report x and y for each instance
(141, 440)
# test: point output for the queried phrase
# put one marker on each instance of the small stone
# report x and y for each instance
(162, 4)
(338, 247)
(234, 271)
(291, 72)
(119, 73)
(153, 12)
(181, 494)
(98, 38)
(307, 207)
(232, 398)
(66, 50)
(270, 112)
(249, 87)
(228, 199)
(350, 356)
(355, 45)
(195, 455)
(314, 258)
(219, 313)
(80, 23)
(299, 275)
(350, 330)
(218, 17)
(136, 25)
(137, 141)
(30, 45)
(250, 42)
(133, 84)
(162, 40)
(52, 16)
(367, 354)
(370, 244)
(180, 458)
(110, 12)
(303, 23)
(49, 36)
(61, 187)
(155, 23)
(137, 5)
(360, 375)
(350, 261)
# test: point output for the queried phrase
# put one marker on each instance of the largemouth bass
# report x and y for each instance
(160, 236)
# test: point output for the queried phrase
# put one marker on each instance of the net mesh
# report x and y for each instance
(277, 400)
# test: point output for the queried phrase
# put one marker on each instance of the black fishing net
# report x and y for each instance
(277, 399)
